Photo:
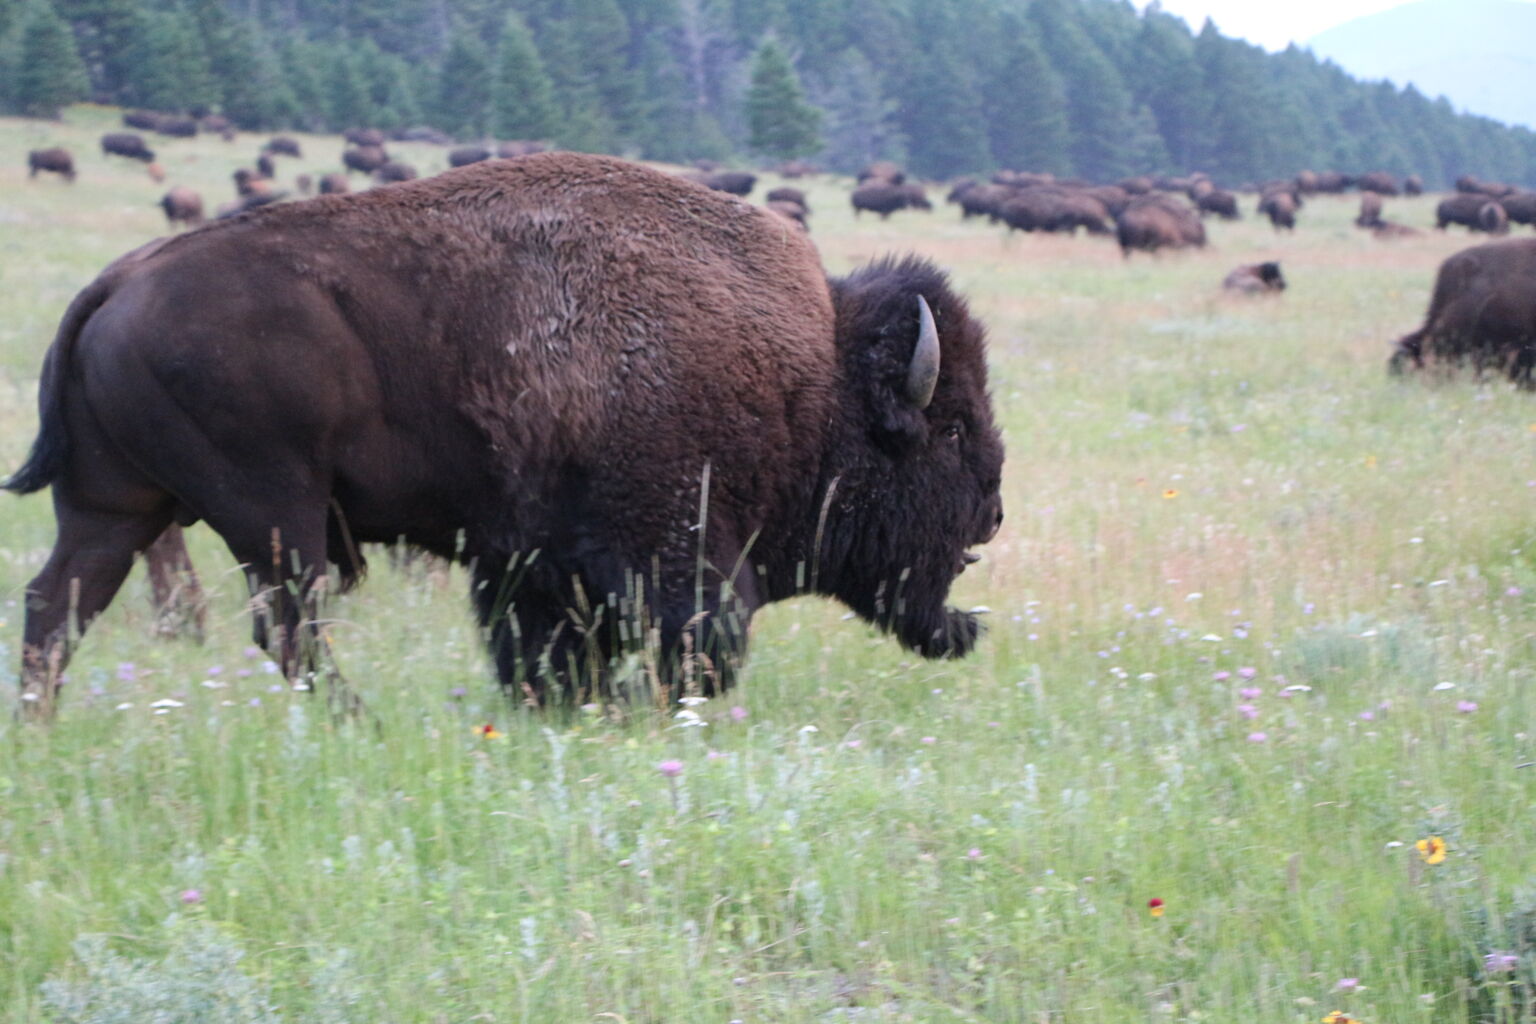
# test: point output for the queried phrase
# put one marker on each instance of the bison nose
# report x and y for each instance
(996, 519)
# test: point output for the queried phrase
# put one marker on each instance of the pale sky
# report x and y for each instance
(1270, 24)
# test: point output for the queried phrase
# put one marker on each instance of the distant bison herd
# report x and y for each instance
(565, 305)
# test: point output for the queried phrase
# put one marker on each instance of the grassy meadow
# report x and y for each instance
(1261, 620)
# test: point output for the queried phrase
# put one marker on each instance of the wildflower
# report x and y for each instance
(126, 672)
(1431, 849)
(854, 744)
(1221, 677)
(713, 755)
(1500, 963)
(738, 713)
(929, 740)
(458, 693)
(1367, 716)
(1247, 673)
(1155, 907)
(1348, 984)
(1258, 737)
(1339, 1017)
(670, 769)
(216, 670)
(1250, 693)
(488, 731)
(974, 853)
(1466, 707)
(1171, 492)
(1513, 592)
(191, 896)
(1248, 711)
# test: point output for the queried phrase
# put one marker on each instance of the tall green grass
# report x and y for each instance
(1199, 490)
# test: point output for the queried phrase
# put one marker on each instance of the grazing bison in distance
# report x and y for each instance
(177, 127)
(1521, 207)
(786, 194)
(334, 185)
(395, 171)
(463, 156)
(1370, 210)
(283, 145)
(1380, 182)
(1220, 202)
(1413, 185)
(883, 171)
(364, 159)
(1464, 208)
(481, 392)
(126, 144)
(885, 199)
(56, 161)
(1482, 312)
(736, 183)
(1492, 219)
(364, 137)
(143, 120)
(1157, 221)
(790, 211)
(1280, 207)
(520, 147)
(182, 205)
(1255, 279)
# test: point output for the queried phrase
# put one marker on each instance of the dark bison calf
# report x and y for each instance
(56, 160)
(182, 206)
(1413, 185)
(126, 144)
(1255, 279)
(1482, 313)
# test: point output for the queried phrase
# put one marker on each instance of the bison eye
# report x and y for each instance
(953, 432)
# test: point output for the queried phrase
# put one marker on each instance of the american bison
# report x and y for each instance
(395, 171)
(1220, 202)
(1521, 207)
(790, 211)
(265, 166)
(1055, 209)
(126, 144)
(984, 200)
(364, 159)
(737, 183)
(1482, 312)
(334, 185)
(1255, 279)
(1413, 185)
(1280, 207)
(1492, 219)
(283, 145)
(786, 194)
(1370, 210)
(177, 127)
(143, 120)
(463, 156)
(885, 199)
(55, 161)
(1380, 182)
(218, 124)
(182, 205)
(639, 412)
(1464, 208)
(883, 171)
(364, 137)
(520, 147)
(249, 182)
(1157, 221)
(796, 168)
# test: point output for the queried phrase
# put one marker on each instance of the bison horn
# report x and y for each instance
(923, 372)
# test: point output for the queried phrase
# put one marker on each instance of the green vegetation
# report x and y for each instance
(1084, 87)
(1197, 486)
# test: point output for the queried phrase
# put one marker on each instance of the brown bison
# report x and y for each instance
(55, 161)
(639, 412)
(126, 144)
(1370, 210)
(1482, 312)
(305, 184)
(1255, 279)
(334, 184)
(883, 171)
(1157, 221)
(790, 211)
(463, 156)
(1280, 207)
(1470, 185)
(1521, 207)
(364, 137)
(266, 166)
(520, 147)
(1464, 208)
(1380, 182)
(736, 183)
(984, 201)
(1055, 209)
(143, 120)
(177, 127)
(885, 199)
(1219, 202)
(786, 194)
(796, 168)
(1413, 185)
(249, 182)
(364, 159)
(182, 205)
(218, 124)
(1492, 218)
(395, 171)
(283, 145)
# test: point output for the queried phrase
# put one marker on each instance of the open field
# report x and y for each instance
(1204, 496)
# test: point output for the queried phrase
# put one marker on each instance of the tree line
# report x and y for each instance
(1089, 88)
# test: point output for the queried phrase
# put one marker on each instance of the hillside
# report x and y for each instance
(1474, 52)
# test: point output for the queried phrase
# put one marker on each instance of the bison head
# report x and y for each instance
(915, 468)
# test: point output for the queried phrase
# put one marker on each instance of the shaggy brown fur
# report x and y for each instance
(543, 367)
(1482, 312)
(1157, 221)
(58, 161)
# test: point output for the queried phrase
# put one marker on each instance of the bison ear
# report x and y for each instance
(901, 396)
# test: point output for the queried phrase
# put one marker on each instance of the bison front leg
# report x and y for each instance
(180, 605)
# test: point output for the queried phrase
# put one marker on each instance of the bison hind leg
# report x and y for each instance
(181, 608)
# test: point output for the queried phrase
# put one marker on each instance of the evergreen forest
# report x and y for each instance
(1087, 88)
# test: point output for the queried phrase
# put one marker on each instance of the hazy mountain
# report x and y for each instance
(1478, 53)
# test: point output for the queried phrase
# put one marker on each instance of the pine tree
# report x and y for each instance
(463, 87)
(861, 119)
(1025, 106)
(522, 98)
(1098, 103)
(782, 124)
(49, 72)
(170, 67)
(1166, 76)
(940, 100)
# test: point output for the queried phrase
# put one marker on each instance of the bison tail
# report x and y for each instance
(45, 463)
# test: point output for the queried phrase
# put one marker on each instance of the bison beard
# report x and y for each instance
(546, 368)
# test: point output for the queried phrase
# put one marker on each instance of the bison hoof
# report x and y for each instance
(956, 637)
